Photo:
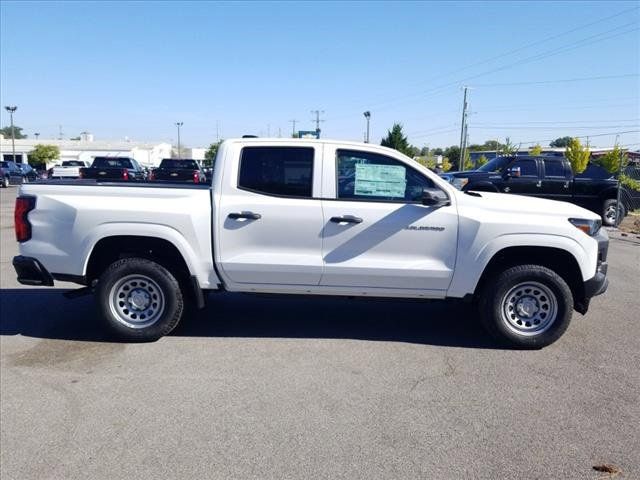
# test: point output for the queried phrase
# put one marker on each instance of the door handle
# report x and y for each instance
(346, 219)
(539, 184)
(247, 215)
(566, 184)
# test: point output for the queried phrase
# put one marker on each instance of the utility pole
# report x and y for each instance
(13, 133)
(268, 130)
(293, 128)
(179, 124)
(60, 134)
(463, 129)
(37, 135)
(317, 120)
(367, 115)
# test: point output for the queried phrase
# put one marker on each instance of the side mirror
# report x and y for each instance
(430, 200)
(513, 172)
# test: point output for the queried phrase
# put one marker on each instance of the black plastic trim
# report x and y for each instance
(31, 272)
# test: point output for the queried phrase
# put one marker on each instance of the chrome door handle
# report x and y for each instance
(539, 184)
(247, 215)
(346, 219)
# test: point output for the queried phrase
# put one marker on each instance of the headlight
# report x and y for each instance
(459, 183)
(590, 227)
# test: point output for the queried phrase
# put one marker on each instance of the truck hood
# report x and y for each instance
(510, 203)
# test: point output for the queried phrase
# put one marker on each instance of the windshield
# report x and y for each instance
(168, 163)
(111, 162)
(72, 163)
(497, 165)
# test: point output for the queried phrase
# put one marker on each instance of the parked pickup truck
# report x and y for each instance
(548, 177)
(174, 170)
(114, 168)
(312, 217)
(68, 169)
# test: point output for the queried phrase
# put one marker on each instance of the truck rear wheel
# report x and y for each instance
(528, 306)
(139, 299)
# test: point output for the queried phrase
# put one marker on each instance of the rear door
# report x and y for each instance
(270, 217)
(556, 179)
(377, 233)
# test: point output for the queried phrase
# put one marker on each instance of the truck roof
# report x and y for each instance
(297, 141)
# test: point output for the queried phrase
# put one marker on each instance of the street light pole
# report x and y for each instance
(37, 135)
(179, 124)
(13, 135)
(367, 115)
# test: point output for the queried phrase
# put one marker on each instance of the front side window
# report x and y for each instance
(528, 168)
(371, 176)
(280, 171)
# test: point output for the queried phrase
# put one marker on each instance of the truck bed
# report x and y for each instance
(72, 216)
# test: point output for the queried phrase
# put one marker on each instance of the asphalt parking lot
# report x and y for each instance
(276, 388)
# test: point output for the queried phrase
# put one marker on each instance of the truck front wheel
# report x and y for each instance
(527, 306)
(139, 299)
(610, 213)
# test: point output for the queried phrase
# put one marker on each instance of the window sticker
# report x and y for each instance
(380, 180)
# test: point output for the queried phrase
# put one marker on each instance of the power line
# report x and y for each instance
(562, 80)
(562, 49)
(599, 21)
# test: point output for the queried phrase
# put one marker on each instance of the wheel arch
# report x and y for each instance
(481, 187)
(561, 261)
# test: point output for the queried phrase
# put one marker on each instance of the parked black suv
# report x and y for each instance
(547, 177)
(11, 173)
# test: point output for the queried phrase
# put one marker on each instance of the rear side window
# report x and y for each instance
(595, 172)
(280, 171)
(553, 168)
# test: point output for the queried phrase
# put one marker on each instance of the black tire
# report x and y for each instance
(547, 293)
(156, 289)
(5, 182)
(609, 212)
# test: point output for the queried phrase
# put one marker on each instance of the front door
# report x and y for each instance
(528, 183)
(268, 218)
(377, 233)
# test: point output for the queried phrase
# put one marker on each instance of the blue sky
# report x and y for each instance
(122, 69)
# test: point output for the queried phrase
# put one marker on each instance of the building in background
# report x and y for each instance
(86, 149)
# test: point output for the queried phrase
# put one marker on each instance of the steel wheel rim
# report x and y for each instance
(529, 308)
(136, 301)
(611, 213)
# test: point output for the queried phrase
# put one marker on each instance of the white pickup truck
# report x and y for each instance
(69, 169)
(312, 217)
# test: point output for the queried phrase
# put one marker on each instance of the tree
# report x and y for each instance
(610, 161)
(536, 150)
(577, 155)
(508, 149)
(453, 155)
(481, 161)
(561, 142)
(424, 151)
(492, 145)
(42, 155)
(6, 132)
(210, 154)
(396, 139)
(437, 151)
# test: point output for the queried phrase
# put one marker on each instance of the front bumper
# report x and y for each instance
(599, 283)
(31, 272)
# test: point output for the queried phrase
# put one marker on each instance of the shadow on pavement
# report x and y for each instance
(45, 313)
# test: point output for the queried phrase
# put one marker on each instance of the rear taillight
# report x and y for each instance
(20, 216)
(81, 173)
(196, 176)
(125, 174)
